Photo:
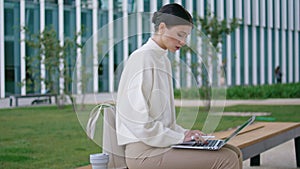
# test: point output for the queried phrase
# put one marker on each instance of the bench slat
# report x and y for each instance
(259, 131)
(225, 134)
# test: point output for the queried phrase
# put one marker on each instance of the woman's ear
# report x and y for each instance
(162, 28)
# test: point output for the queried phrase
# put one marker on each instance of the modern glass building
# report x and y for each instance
(267, 37)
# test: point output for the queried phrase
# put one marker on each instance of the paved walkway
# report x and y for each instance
(280, 157)
(193, 103)
(96, 98)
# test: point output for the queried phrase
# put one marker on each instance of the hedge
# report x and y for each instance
(291, 90)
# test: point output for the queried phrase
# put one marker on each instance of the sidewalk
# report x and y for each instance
(193, 103)
(96, 98)
(280, 157)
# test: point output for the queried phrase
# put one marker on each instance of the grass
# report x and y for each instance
(43, 137)
(281, 113)
(47, 137)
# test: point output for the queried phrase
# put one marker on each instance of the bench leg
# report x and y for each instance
(16, 100)
(49, 99)
(10, 101)
(255, 161)
(297, 150)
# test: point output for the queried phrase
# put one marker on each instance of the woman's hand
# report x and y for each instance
(194, 135)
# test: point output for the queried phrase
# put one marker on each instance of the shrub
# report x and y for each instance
(291, 90)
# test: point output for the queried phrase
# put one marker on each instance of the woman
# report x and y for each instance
(145, 121)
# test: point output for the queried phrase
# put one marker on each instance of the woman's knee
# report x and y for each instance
(231, 160)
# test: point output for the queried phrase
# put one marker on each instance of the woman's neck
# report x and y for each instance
(157, 39)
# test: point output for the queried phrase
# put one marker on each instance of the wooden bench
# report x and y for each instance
(48, 97)
(259, 137)
(262, 136)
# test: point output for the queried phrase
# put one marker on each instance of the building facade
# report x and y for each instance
(267, 37)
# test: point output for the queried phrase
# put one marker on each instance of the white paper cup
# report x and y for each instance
(99, 161)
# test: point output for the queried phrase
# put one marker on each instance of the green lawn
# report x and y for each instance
(43, 137)
(48, 137)
(281, 113)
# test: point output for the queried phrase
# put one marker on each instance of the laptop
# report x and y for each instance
(212, 144)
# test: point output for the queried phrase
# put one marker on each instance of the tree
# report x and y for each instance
(49, 52)
(215, 28)
(211, 30)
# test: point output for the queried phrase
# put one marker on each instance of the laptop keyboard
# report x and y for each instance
(209, 143)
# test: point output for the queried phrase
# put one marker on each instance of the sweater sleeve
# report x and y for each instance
(135, 110)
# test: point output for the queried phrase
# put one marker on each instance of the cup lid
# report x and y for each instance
(99, 156)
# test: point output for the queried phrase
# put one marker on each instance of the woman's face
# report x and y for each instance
(173, 38)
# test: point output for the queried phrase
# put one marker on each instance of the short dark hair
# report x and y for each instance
(172, 14)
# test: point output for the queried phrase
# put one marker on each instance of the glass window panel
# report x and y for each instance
(9, 53)
(67, 23)
(9, 22)
(104, 4)
(131, 6)
(9, 68)
(29, 18)
(49, 18)
(51, 1)
(84, 24)
(69, 2)
(147, 5)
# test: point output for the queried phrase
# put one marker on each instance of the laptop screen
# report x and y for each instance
(248, 122)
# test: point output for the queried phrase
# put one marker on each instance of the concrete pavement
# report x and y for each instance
(96, 98)
(280, 157)
(193, 103)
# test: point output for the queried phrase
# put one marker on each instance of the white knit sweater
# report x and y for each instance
(145, 102)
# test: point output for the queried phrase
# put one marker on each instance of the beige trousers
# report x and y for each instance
(142, 156)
